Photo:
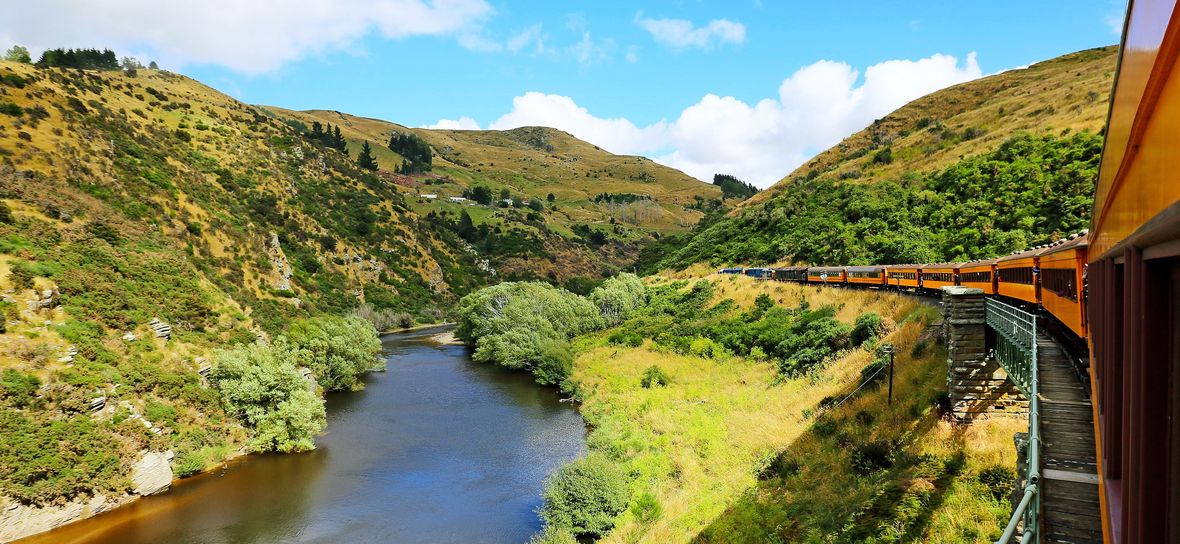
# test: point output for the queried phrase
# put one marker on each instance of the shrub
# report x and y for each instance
(646, 507)
(17, 388)
(338, 350)
(260, 385)
(654, 377)
(555, 361)
(41, 462)
(920, 348)
(553, 535)
(585, 495)
(617, 297)
(626, 338)
(868, 325)
(872, 456)
(188, 463)
(1000, 481)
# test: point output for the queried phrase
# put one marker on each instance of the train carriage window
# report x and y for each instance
(1061, 281)
(940, 276)
(1022, 275)
(903, 275)
(865, 274)
(976, 277)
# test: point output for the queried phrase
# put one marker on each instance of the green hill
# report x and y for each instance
(975, 170)
(629, 200)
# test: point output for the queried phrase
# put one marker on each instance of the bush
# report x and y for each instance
(41, 462)
(555, 361)
(1000, 481)
(872, 456)
(654, 377)
(512, 323)
(626, 338)
(553, 535)
(261, 386)
(585, 495)
(617, 297)
(17, 388)
(384, 319)
(646, 508)
(868, 326)
(338, 350)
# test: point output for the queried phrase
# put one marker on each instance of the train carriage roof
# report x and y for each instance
(978, 263)
(904, 266)
(1079, 240)
(869, 268)
(822, 269)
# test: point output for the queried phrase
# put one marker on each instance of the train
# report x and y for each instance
(1049, 277)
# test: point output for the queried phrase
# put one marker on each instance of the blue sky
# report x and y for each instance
(694, 84)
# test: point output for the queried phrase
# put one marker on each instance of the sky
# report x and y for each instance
(751, 88)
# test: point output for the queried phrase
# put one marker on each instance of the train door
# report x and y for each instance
(1173, 338)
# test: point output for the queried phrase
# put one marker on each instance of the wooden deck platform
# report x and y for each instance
(1069, 468)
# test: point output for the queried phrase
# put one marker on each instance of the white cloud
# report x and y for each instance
(254, 36)
(1114, 21)
(632, 54)
(616, 135)
(814, 109)
(462, 123)
(525, 37)
(683, 34)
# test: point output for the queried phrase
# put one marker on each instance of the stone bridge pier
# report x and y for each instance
(977, 385)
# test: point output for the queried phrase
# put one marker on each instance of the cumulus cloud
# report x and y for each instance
(814, 108)
(462, 123)
(617, 135)
(253, 37)
(683, 34)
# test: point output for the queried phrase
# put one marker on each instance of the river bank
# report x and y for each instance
(437, 448)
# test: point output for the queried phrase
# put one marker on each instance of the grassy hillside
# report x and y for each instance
(127, 199)
(1068, 93)
(973, 171)
(530, 163)
(722, 437)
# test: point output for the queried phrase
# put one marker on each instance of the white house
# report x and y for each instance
(430, 196)
(457, 199)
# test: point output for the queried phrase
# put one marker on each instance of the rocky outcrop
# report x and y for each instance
(278, 260)
(152, 473)
(20, 520)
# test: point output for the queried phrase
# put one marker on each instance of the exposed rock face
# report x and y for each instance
(278, 259)
(152, 474)
(21, 520)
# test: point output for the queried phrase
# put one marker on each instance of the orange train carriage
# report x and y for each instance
(1016, 276)
(903, 275)
(1134, 285)
(979, 274)
(937, 276)
(866, 275)
(1063, 283)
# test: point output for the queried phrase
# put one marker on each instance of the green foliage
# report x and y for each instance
(413, 149)
(585, 495)
(553, 535)
(1031, 190)
(18, 53)
(646, 508)
(18, 389)
(1000, 481)
(262, 387)
(86, 59)
(365, 159)
(516, 324)
(654, 377)
(732, 187)
(555, 361)
(338, 350)
(617, 297)
(41, 462)
(868, 326)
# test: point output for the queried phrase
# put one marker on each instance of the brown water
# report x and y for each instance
(437, 449)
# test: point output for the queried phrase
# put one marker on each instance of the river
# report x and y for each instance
(437, 449)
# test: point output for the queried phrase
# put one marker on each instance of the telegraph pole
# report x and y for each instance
(889, 350)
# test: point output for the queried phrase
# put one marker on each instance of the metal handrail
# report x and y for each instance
(1017, 330)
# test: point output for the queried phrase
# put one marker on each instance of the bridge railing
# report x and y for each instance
(1016, 351)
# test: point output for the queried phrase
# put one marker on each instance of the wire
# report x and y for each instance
(866, 382)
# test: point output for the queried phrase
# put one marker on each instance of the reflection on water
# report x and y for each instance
(437, 449)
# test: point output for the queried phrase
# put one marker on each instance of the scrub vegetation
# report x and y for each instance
(724, 434)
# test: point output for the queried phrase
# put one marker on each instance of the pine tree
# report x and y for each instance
(338, 140)
(317, 131)
(365, 159)
(466, 228)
